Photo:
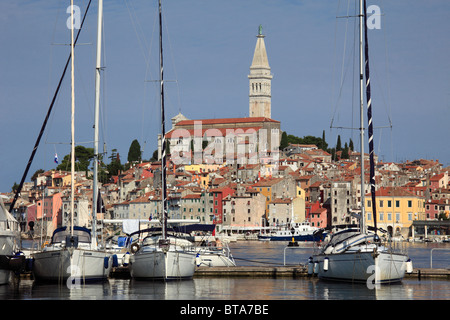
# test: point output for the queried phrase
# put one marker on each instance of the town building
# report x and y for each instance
(396, 209)
(243, 210)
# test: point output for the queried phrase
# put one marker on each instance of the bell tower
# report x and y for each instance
(260, 81)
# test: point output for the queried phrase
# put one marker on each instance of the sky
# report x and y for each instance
(208, 49)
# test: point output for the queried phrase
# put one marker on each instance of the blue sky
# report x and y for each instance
(208, 49)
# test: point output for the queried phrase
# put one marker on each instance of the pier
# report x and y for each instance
(299, 271)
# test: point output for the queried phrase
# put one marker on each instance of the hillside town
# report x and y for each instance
(239, 174)
(239, 200)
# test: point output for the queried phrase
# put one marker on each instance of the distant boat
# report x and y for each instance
(214, 255)
(298, 231)
(356, 254)
(73, 255)
(163, 256)
(10, 257)
(210, 250)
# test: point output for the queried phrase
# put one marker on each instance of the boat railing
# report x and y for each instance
(9, 225)
(431, 254)
(394, 246)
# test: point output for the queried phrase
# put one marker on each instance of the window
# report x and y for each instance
(369, 203)
(389, 217)
(381, 203)
(381, 216)
(397, 216)
(389, 203)
(409, 204)
(397, 203)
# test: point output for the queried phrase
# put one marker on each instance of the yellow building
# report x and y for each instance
(396, 209)
(204, 167)
(202, 172)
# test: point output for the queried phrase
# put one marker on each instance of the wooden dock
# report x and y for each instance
(274, 272)
(299, 271)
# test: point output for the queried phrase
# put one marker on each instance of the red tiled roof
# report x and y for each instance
(281, 201)
(192, 196)
(211, 132)
(226, 121)
(267, 182)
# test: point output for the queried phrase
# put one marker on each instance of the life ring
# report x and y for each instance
(134, 248)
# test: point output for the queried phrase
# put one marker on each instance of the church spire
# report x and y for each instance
(260, 80)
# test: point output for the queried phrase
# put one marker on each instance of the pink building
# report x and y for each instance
(316, 214)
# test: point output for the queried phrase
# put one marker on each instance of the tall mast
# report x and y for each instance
(163, 132)
(36, 145)
(96, 120)
(72, 153)
(369, 118)
(361, 100)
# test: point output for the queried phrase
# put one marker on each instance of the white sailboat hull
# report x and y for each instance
(212, 259)
(162, 265)
(382, 267)
(9, 244)
(79, 264)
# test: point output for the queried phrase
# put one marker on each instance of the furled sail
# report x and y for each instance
(369, 119)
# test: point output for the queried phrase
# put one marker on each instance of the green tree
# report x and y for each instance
(114, 166)
(134, 153)
(284, 140)
(154, 156)
(36, 174)
(350, 145)
(83, 157)
(338, 143)
(344, 154)
(15, 187)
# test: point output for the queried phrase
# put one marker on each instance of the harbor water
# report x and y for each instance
(253, 253)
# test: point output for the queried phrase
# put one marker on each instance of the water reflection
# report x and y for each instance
(250, 253)
(229, 289)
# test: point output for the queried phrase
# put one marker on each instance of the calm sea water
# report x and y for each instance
(229, 289)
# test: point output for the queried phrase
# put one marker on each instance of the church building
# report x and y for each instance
(255, 134)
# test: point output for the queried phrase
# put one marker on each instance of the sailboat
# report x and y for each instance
(10, 257)
(163, 256)
(73, 255)
(356, 254)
